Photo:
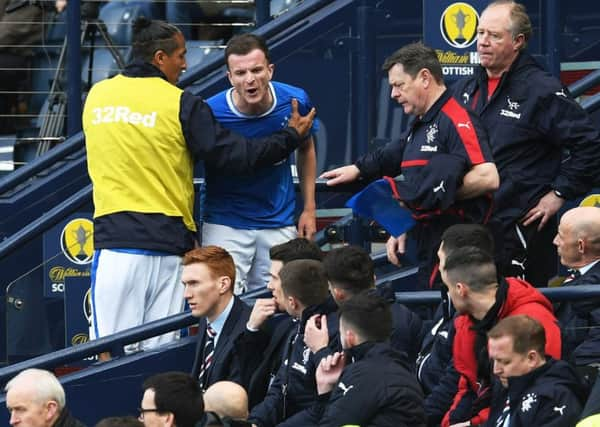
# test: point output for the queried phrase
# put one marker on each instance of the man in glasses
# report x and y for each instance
(171, 399)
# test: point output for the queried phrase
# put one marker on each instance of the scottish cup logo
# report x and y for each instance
(458, 25)
(76, 241)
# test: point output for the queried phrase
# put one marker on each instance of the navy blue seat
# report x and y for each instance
(119, 15)
(200, 50)
(103, 66)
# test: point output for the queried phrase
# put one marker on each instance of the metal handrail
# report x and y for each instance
(46, 221)
(114, 343)
(76, 142)
(589, 81)
(592, 103)
(560, 293)
(55, 215)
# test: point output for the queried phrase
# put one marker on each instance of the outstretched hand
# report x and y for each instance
(302, 124)
(341, 175)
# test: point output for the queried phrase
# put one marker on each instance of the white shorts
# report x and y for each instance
(130, 289)
(249, 249)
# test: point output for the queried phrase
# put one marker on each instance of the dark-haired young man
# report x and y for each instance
(481, 300)
(533, 389)
(247, 214)
(435, 371)
(143, 135)
(171, 399)
(350, 270)
(304, 293)
(369, 383)
(260, 347)
(444, 158)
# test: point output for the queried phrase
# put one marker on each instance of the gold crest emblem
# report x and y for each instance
(591, 200)
(77, 242)
(458, 25)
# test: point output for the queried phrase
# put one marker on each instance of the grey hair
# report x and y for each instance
(519, 19)
(44, 384)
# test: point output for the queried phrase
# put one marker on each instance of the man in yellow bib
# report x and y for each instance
(143, 135)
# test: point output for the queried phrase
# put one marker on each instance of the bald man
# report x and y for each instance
(227, 399)
(578, 243)
(35, 398)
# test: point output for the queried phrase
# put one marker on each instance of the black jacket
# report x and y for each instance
(377, 388)
(591, 409)
(580, 322)
(435, 370)
(206, 140)
(260, 354)
(450, 134)
(294, 388)
(406, 326)
(67, 420)
(530, 126)
(433, 157)
(436, 349)
(551, 395)
(225, 364)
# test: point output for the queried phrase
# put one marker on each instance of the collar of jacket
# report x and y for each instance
(523, 60)
(139, 68)
(435, 108)
(66, 419)
(369, 349)
(518, 385)
(358, 352)
(326, 307)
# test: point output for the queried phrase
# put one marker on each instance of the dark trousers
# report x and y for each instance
(526, 252)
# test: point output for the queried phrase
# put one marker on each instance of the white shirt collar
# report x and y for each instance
(588, 267)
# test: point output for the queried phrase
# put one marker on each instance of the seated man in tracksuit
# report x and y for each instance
(260, 347)
(350, 270)
(369, 383)
(533, 389)
(304, 293)
(482, 299)
(435, 370)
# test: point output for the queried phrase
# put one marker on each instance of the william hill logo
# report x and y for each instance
(76, 241)
(458, 25)
(79, 339)
(59, 274)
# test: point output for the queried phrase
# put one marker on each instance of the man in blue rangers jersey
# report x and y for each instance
(143, 134)
(247, 214)
(532, 123)
(444, 155)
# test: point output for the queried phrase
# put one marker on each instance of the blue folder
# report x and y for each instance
(375, 202)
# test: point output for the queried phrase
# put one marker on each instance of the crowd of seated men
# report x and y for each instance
(329, 348)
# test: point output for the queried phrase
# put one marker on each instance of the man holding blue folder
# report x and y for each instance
(444, 158)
